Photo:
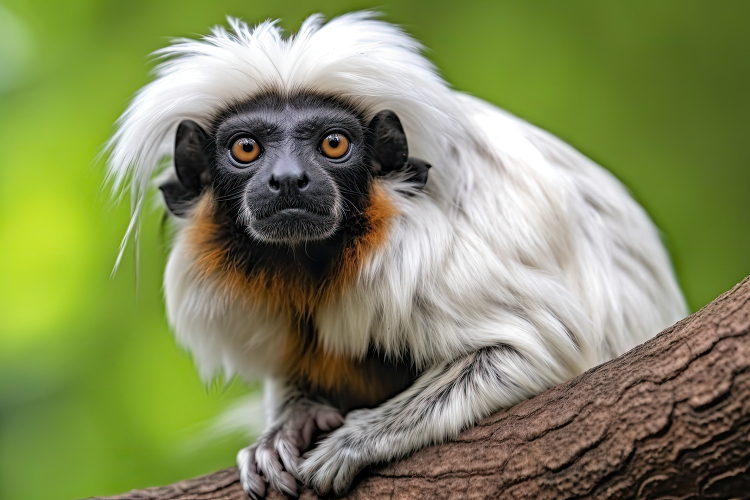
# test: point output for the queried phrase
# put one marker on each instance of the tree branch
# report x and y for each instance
(669, 419)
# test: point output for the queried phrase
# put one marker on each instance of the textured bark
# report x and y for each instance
(669, 419)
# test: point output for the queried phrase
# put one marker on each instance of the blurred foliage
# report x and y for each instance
(95, 398)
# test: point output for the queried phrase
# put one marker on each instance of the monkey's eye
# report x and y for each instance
(245, 150)
(334, 146)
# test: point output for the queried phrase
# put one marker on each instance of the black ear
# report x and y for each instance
(387, 141)
(192, 167)
(177, 197)
(417, 170)
(190, 157)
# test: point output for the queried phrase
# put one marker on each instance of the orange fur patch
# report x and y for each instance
(324, 370)
(292, 294)
(377, 215)
(212, 262)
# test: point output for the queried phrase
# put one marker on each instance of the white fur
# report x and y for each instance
(517, 240)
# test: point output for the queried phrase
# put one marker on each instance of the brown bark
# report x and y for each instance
(669, 419)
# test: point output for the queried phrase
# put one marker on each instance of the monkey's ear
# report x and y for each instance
(177, 197)
(417, 170)
(190, 157)
(192, 167)
(387, 141)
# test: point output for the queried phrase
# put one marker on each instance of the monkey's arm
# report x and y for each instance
(444, 400)
(274, 458)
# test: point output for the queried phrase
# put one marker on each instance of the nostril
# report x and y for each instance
(275, 186)
(302, 183)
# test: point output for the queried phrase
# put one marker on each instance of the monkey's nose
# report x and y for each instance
(288, 184)
(288, 177)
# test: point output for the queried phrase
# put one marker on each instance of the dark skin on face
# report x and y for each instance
(290, 175)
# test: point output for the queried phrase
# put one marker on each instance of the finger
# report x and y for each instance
(251, 481)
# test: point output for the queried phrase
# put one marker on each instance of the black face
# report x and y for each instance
(288, 170)
(290, 166)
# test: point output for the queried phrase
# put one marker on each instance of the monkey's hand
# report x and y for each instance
(335, 461)
(274, 458)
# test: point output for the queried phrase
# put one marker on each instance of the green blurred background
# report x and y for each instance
(94, 396)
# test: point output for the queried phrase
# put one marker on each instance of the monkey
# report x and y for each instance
(395, 259)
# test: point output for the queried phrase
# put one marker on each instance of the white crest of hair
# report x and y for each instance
(517, 240)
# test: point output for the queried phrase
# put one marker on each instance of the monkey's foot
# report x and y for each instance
(335, 461)
(275, 457)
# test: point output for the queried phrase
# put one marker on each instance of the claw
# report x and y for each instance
(269, 464)
(251, 481)
(290, 458)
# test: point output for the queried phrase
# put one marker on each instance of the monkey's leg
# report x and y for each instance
(444, 400)
(274, 458)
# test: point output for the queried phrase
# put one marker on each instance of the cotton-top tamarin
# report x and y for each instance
(394, 258)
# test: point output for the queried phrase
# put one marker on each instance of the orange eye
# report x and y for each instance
(334, 146)
(245, 150)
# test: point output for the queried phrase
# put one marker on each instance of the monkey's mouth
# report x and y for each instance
(293, 225)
